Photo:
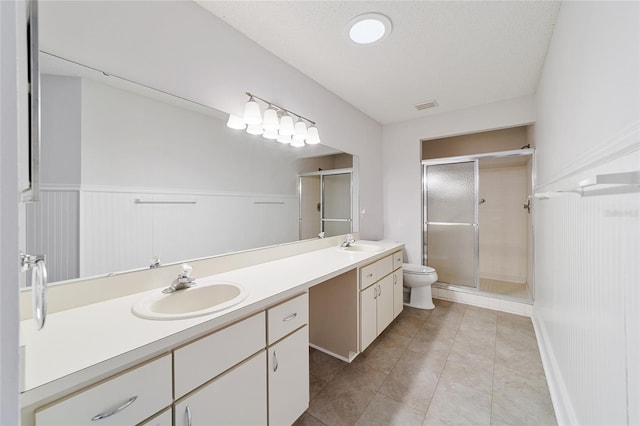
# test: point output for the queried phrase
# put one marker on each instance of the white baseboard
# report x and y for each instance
(565, 413)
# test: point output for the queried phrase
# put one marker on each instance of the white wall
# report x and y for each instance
(182, 49)
(587, 248)
(8, 217)
(402, 170)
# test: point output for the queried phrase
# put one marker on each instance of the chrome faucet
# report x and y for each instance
(348, 241)
(184, 280)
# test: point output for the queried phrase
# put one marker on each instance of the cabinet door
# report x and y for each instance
(238, 397)
(385, 302)
(288, 364)
(368, 322)
(397, 292)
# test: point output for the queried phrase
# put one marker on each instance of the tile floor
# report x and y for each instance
(454, 365)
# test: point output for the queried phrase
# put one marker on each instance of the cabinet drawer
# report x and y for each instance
(397, 260)
(202, 360)
(287, 317)
(148, 387)
(372, 273)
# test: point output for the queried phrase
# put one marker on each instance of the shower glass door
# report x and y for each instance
(451, 221)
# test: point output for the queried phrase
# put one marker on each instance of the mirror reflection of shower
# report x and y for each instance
(476, 233)
(326, 203)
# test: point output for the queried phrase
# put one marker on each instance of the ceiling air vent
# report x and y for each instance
(428, 104)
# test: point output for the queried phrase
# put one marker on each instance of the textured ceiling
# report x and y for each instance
(460, 53)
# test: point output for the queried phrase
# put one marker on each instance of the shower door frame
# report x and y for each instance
(476, 158)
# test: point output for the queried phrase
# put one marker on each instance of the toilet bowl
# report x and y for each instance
(419, 279)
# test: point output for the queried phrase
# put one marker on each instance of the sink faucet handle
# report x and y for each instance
(185, 272)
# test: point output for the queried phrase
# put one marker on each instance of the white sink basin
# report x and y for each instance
(192, 302)
(362, 247)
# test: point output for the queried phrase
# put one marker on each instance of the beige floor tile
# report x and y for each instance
(384, 352)
(449, 366)
(316, 384)
(307, 419)
(521, 398)
(323, 366)
(456, 404)
(413, 379)
(469, 375)
(474, 347)
(384, 411)
(344, 399)
(407, 324)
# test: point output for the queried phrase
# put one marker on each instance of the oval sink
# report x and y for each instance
(191, 302)
(362, 247)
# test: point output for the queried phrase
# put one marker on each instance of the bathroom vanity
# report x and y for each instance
(247, 364)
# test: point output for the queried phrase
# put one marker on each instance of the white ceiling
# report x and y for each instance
(462, 53)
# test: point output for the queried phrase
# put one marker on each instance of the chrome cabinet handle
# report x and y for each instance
(370, 275)
(115, 410)
(395, 279)
(275, 362)
(379, 290)
(188, 413)
(290, 317)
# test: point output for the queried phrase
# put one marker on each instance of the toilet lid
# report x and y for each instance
(417, 269)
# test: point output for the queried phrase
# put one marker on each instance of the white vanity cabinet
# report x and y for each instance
(230, 363)
(237, 397)
(398, 295)
(380, 297)
(288, 360)
(128, 398)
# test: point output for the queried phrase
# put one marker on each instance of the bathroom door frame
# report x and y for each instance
(476, 158)
(322, 174)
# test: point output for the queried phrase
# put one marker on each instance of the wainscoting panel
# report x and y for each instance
(587, 304)
(52, 229)
(126, 230)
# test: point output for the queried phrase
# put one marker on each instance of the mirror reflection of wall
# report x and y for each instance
(131, 174)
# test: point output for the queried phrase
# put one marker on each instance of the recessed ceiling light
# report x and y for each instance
(369, 28)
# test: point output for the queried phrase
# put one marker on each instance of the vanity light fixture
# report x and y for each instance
(276, 123)
(369, 28)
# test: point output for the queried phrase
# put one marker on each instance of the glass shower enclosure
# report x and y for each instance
(451, 221)
(473, 243)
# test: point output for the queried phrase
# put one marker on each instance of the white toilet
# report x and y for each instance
(419, 279)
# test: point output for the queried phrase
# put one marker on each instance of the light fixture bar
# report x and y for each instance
(251, 95)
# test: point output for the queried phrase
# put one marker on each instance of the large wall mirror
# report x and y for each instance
(133, 177)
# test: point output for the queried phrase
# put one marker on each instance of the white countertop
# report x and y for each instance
(92, 342)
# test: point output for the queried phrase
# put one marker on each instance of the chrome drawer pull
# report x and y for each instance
(290, 317)
(115, 410)
(275, 362)
(188, 411)
(369, 275)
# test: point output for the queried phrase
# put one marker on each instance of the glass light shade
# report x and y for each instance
(297, 142)
(270, 120)
(313, 137)
(284, 139)
(235, 122)
(286, 126)
(252, 113)
(300, 131)
(255, 129)
(270, 134)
